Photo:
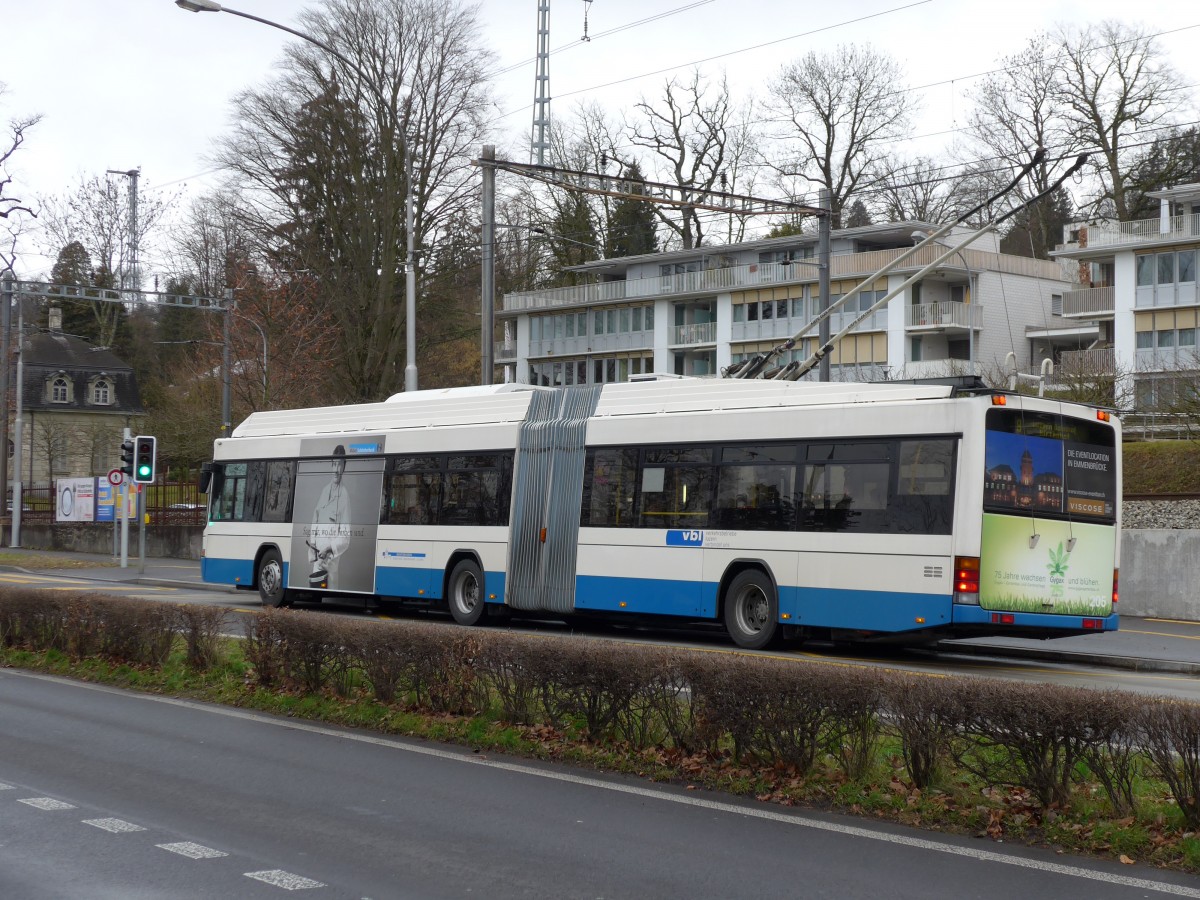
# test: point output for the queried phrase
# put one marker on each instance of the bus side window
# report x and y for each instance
(924, 501)
(609, 486)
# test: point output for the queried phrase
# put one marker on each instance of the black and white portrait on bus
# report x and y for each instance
(336, 515)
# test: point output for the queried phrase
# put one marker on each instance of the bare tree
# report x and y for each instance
(96, 216)
(1019, 109)
(1114, 83)
(916, 191)
(13, 209)
(695, 137)
(323, 150)
(841, 110)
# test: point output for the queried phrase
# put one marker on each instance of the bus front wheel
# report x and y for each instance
(466, 593)
(270, 580)
(751, 610)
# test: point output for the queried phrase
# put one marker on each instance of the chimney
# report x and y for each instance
(55, 319)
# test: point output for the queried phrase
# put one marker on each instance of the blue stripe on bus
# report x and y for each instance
(976, 615)
(652, 596)
(215, 570)
(391, 581)
(866, 610)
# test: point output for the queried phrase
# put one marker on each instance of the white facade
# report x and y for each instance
(1139, 282)
(695, 312)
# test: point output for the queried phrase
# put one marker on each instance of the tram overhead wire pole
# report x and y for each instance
(410, 281)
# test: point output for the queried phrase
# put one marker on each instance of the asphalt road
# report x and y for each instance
(112, 794)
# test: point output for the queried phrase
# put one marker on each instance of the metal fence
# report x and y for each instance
(167, 502)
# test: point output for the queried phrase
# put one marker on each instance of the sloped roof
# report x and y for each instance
(48, 353)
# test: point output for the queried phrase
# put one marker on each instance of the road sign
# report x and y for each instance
(115, 477)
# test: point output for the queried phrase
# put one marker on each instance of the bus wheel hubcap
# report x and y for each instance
(752, 610)
(468, 593)
(271, 577)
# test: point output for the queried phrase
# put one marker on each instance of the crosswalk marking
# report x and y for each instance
(192, 850)
(46, 803)
(285, 880)
(116, 826)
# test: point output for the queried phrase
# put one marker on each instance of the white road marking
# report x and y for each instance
(192, 851)
(6, 787)
(46, 803)
(285, 880)
(116, 826)
(794, 819)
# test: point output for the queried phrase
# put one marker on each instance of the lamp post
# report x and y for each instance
(410, 291)
(263, 335)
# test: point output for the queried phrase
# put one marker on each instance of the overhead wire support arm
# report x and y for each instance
(794, 371)
(653, 191)
(754, 366)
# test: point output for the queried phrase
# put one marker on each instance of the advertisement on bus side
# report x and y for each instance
(336, 514)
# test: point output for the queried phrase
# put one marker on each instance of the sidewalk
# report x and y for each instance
(1145, 645)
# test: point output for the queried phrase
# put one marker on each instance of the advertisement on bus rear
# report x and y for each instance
(1050, 466)
(1046, 566)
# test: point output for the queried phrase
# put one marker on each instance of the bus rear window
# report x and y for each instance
(1050, 465)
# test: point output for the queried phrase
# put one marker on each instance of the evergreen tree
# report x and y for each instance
(631, 227)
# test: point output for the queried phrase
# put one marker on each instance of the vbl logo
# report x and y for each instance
(690, 538)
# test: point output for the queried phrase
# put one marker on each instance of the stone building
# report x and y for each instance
(76, 399)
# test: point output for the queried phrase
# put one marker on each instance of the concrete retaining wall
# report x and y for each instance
(162, 541)
(1158, 573)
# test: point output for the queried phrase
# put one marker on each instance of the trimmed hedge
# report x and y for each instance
(758, 711)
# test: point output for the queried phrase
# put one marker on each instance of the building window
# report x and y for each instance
(101, 393)
(60, 390)
(1145, 340)
(1145, 271)
(1056, 304)
(916, 349)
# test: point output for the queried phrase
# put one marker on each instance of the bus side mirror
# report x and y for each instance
(206, 477)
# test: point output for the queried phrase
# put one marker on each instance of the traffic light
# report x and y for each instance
(143, 459)
(127, 458)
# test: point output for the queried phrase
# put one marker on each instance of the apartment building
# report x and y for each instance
(694, 312)
(1138, 283)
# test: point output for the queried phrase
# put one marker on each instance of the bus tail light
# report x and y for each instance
(966, 580)
(999, 400)
(1004, 619)
(1115, 587)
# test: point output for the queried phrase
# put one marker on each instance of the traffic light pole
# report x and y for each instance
(128, 436)
(141, 508)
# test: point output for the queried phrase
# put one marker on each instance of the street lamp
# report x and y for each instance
(410, 281)
(263, 335)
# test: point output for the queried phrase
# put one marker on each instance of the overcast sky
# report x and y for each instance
(140, 83)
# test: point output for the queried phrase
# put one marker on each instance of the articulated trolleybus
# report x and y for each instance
(887, 511)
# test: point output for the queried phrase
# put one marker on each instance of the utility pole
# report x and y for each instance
(487, 298)
(6, 298)
(823, 240)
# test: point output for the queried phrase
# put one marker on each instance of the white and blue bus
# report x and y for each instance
(886, 511)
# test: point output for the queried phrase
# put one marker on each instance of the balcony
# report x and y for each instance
(1089, 303)
(944, 315)
(696, 333)
(1141, 231)
(504, 351)
(1080, 363)
(755, 275)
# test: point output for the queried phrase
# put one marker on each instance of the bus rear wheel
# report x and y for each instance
(751, 610)
(271, 589)
(465, 593)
